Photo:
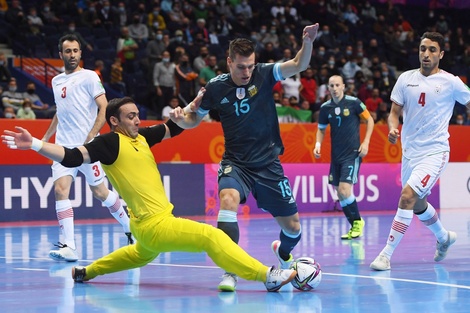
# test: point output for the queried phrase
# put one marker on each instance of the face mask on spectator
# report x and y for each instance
(27, 110)
(9, 115)
(12, 89)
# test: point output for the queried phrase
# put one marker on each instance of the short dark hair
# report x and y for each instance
(241, 46)
(68, 37)
(436, 37)
(114, 108)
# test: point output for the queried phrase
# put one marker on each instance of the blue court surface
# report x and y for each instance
(186, 282)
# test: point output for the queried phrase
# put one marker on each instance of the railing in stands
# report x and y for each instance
(39, 69)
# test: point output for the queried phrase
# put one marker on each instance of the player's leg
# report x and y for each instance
(95, 177)
(127, 257)
(403, 216)
(230, 193)
(274, 195)
(63, 178)
(347, 177)
(431, 171)
(178, 234)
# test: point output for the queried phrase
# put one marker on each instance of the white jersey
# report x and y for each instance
(428, 104)
(75, 95)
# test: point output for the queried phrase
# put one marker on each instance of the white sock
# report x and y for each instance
(116, 209)
(64, 212)
(400, 224)
(430, 218)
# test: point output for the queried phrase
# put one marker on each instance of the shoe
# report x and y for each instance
(381, 263)
(64, 253)
(441, 248)
(276, 278)
(229, 282)
(79, 273)
(355, 231)
(282, 263)
(130, 240)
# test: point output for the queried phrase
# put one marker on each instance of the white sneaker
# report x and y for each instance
(229, 282)
(441, 248)
(282, 263)
(276, 278)
(64, 253)
(381, 263)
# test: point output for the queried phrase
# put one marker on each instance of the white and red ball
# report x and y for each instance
(308, 273)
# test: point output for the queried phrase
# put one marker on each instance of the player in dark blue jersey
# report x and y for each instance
(243, 99)
(344, 114)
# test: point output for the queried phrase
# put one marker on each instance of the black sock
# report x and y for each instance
(354, 211)
(231, 229)
(287, 245)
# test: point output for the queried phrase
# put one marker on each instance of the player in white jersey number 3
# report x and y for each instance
(81, 105)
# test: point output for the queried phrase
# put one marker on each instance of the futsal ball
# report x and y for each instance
(308, 273)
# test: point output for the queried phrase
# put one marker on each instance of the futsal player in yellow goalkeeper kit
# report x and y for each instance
(130, 166)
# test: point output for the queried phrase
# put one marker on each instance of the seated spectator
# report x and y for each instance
(9, 112)
(174, 102)
(99, 67)
(11, 97)
(185, 78)
(155, 20)
(71, 29)
(34, 21)
(126, 49)
(383, 113)
(460, 120)
(116, 81)
(373, 102)
(5, 74)
(208, 72)
(26, 112)
(16, 17)
(138, 31)
(41, 109)
(309, 90)
(48, 16)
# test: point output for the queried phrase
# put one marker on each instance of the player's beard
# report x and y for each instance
(71, 67)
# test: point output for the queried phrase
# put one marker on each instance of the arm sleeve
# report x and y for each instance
(153, 134)
(104, 148)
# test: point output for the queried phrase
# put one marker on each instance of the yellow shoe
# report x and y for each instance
(357, 228)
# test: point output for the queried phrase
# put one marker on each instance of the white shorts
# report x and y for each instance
(421, 174)
(93, 172)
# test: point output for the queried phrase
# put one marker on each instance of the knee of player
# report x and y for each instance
(100, 192)
(229, 199)
(408, 198)
(61, 191)
(292, 228)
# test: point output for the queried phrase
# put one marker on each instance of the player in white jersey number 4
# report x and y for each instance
(426, 97)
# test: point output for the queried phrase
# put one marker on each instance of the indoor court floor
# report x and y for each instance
(186, 282)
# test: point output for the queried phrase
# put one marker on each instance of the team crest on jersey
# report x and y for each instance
(346, 112)
(240, 93)
(337, 111)
(438, 89)
(252, 90)
(227, 169)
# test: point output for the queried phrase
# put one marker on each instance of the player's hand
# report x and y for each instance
(317, 152)
(198, 100)
(363, 150)
(178, 114)
(21, 140)
(310, 32)
(393, 135)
